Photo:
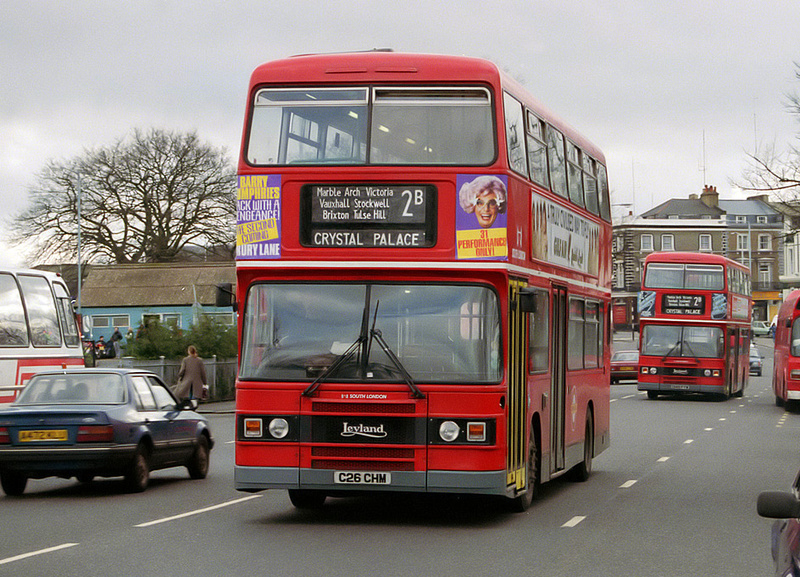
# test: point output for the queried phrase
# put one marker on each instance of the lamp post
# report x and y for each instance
(78, 203)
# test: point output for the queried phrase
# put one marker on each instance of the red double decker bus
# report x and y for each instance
(786, 367)
(694, 318)
(423, 282)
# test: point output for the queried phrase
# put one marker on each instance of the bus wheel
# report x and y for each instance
(583, 470)
(652, 395)
(522, 502)
(305, 499)
(778, 401)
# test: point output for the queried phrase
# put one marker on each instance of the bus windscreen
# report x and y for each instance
(439, 333)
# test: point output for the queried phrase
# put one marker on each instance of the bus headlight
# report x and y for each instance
(653, 370)
(707, 373)
(449, 431)
(278, 428)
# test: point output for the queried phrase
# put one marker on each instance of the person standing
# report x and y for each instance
(115, 341)
(192, 382)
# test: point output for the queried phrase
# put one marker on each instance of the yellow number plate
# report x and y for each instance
(46, 435)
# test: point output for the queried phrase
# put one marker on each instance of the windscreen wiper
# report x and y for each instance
(340, 360)
(378, 336)
(361, 345)
(669, 352)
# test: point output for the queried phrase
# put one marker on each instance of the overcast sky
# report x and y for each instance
(646, 80)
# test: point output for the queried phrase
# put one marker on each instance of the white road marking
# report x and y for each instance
(197, 512)
(663, 459)
(708, 429)
(627, 484)
(687, 441)
(574, 521)
(34, 553)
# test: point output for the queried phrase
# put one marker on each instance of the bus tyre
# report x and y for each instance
(652, 395)
(13, 483)
(522, 503)
(306, 499)
(583, 470)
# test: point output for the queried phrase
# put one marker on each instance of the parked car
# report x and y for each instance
(99, 422)
(624, 365)
(760, 329)
(786, 530)
(756, 361)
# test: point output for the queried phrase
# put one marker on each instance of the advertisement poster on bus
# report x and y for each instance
(563, 237)
(258, 217)
(481, 231)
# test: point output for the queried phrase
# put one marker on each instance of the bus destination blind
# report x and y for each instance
(368, 216)
(683, 304)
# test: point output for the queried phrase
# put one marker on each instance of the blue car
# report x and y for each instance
(85, 423)
(786, 530)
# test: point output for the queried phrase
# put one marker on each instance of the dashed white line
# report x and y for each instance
(688, 441)
(198, 511)
(34, 553)
(574, 521)
(628, 484)
(708, 429)
(663, 459)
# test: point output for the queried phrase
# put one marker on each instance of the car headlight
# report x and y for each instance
(449, 431)
(278, 428)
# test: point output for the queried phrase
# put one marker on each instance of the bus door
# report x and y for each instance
(732, 361)
(558, 378)
(517, 389)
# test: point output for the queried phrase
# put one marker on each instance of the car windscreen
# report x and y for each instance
(626, 356)
(73, 388)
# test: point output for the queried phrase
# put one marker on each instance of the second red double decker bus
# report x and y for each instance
(423, 280)
(694, 318)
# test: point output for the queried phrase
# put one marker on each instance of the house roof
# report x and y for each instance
(747, 207)
(686, 207)
(161, 284)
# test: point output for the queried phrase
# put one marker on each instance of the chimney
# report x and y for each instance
(710, 196)
(693, 196)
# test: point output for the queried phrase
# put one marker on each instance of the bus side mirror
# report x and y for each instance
(527, 300)
(225, 296)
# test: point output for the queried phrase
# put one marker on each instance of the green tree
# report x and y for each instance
(212, 338)
(154, 339)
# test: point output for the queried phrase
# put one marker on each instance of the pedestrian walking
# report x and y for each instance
(192, 382)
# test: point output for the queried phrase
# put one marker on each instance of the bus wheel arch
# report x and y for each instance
(583, 470)
(533, 469)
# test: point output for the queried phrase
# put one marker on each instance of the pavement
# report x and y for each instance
(217, 407)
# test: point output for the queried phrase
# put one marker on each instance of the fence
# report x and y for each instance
(221, 373)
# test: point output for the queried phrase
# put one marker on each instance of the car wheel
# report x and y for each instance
(13, 483)
(305, 499)
(198, 462)
(138, 476)
(522, 503)
(583, 470)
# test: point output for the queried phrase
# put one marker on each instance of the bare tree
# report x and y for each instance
(146, 198)
(774, 173)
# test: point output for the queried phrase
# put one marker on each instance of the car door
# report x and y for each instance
(182, 424)
(156, 421)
